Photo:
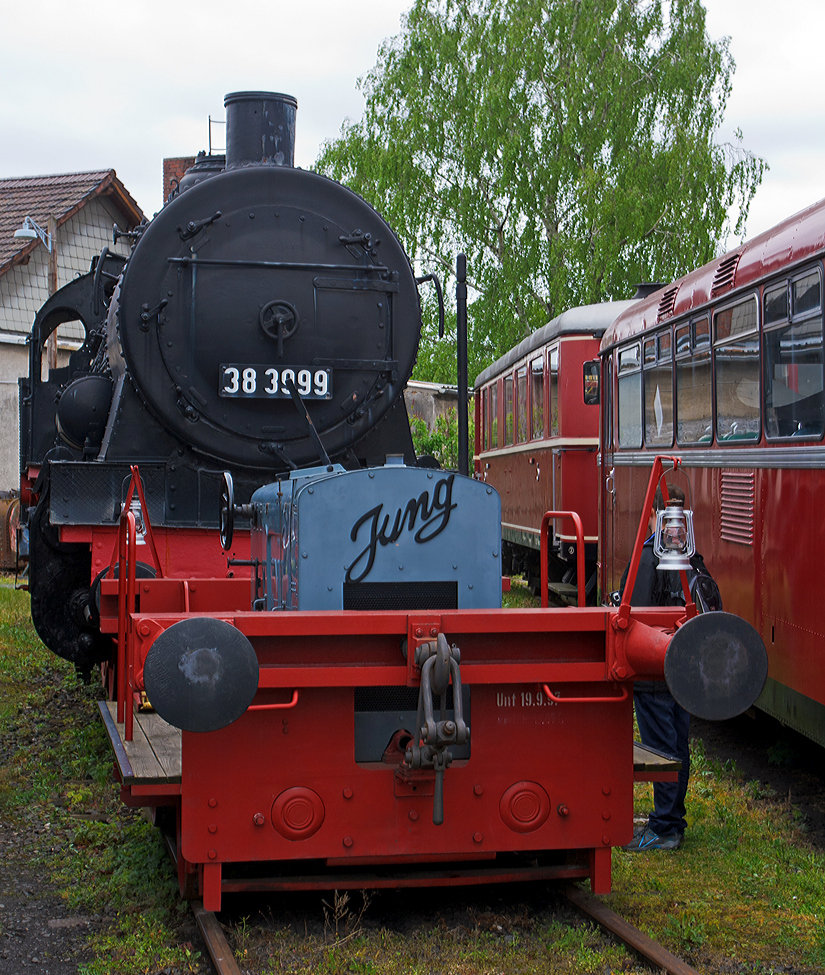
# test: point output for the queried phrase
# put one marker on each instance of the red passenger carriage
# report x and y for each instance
(724, 369)
(537, 440)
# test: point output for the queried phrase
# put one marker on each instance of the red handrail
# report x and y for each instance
(584, 700)
(275, 707)
(656, 475)
(126, 540)
(580, 580)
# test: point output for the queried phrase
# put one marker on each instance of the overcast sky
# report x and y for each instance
(90, 85)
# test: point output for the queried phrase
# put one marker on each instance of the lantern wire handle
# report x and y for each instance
(689, 496)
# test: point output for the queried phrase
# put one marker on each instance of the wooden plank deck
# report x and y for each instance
(152, 757)
(154, 754)
(651, 765)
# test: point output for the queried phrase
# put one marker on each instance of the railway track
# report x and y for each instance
(651, 951)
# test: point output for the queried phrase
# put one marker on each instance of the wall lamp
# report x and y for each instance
(32, 229)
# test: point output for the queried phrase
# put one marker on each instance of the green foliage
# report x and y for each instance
(442, 442)
(569, 148)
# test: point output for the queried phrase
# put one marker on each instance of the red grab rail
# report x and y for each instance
(580, 580)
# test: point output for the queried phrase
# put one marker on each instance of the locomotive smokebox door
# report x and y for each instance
(260, 277)
(716, 666)
(201, 674)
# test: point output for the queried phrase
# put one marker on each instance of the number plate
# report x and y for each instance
(267, 382)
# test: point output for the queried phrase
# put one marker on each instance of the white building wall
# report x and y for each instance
(23, 289)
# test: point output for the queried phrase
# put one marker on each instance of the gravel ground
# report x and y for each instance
(37, 933)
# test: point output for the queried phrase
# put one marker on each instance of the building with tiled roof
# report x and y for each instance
(78, 210)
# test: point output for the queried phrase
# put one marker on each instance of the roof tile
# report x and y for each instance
(60, 196)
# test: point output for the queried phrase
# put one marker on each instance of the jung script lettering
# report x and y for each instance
(424, 517)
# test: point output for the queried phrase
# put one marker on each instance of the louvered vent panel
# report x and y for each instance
(725, 274)
(738, 494)
(667, 303)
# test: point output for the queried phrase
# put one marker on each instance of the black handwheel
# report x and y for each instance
(227, 529)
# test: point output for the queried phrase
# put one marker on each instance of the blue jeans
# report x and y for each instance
(664, 725)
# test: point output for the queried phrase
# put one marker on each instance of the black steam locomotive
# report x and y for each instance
(266, 319)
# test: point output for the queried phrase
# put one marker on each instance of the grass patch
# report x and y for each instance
(56, 789)
(745, 885)
(519, 596)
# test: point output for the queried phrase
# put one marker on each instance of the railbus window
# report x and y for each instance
(553, 363)
(508, 410)
(658, 386)
(484, 439)
(537, 399)
(494, 416)
(794, 358)
(521, 404)
(630, 396)
(694, 396)
(736, 353)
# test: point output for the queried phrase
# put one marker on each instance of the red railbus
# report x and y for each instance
(536, 442)
(724, 369)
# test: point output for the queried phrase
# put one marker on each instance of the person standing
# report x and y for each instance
(663, 723)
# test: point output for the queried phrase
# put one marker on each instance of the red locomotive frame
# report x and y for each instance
(276, 801)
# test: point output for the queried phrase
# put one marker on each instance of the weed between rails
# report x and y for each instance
(743, 895)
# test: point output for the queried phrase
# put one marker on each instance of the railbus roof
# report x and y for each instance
(583, 319)
(793, 241)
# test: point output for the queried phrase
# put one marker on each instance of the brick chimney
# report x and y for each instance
(173, 170)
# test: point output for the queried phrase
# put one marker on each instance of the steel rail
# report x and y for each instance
(224, 961)
(215, 940)
(649, 949)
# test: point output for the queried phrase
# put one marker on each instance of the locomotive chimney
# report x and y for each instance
(260, 129)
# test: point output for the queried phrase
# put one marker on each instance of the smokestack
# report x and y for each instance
(260, 129)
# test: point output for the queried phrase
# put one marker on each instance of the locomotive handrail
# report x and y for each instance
(580, 580)
(135, 482)
(126, 543)
(279, 265)
(584, 700)
(291, 703)
(656, 475)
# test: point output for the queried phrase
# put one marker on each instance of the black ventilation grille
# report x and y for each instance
(726, 272)
(667, 303)
(400, 595)
(392, 698)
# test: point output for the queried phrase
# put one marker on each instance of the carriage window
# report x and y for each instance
(553, 359)
(737, 320)
(630, 397)
(694, 399)
(508, 410)
(521, 404)
(794, 363)
(737, 372)
(484, 439)
(658, 386)
(776, 305)
(537, 399)
(806, 294)
(494, 416)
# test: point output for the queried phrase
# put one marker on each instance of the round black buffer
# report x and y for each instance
(716, 666)
(201, 674)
